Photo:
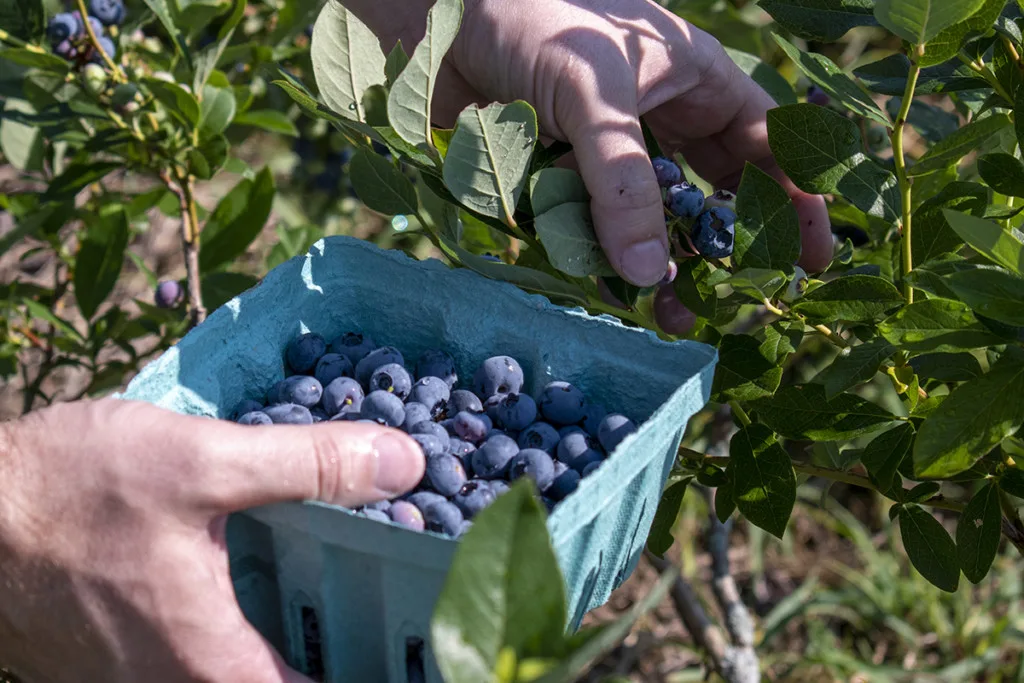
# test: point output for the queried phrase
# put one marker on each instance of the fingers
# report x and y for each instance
(601, 123)
(342, 463)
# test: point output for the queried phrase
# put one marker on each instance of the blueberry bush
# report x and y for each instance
(899, 369)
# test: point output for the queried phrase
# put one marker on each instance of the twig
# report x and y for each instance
(182, 188)
(900, 161)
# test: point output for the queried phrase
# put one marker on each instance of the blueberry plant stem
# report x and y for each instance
(979, 68)
(740, 414)
(181, 185)
(115, 70)
(900, 160)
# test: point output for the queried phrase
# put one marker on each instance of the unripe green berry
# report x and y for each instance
(94, 78)
(797, 286)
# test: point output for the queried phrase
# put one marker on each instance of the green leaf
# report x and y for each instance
(764, 75)
(886, 452)
(660, 538)
(347, 60)
(1003, 172)
(768, 230)
(977, 415)
(852, 298)
(22, 145)
(991, 292)
(958, 145)
(550, 187)
(805, 412)
(24, 19)
(1012, 482)
(410, 98)
(33, 59)
(215, 111)
(918, 21)
(854, 366)
(977, 533)
(694, 289)
(1002, 247)
(503, 589)
(489, 156)
(167, 13)
(76, 177)
(269, 120)
(822, 20)
(948, 42)
(100, 259)
(781, 338)
(947, 367)
(37, 310)
(936, 325)
(209, 158)
(839, 86)
(220, 288)
(725, 501)
(889, 77)
(567, 233)
(930, 548)
(395, 63)
(933, 123)
(237, 221)
(179, 102)
(932, 236)
(380, 185)
(820, 151)
(757, 283)
(764, 484)
(742, 372)
(207, 59)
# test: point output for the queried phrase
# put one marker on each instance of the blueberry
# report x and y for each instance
(392, 378)
(592, 416)
(498, 375)
(539, 435)
(816, 95)
(464, 529)
(667, 171)
(499, 487)
(449, 426)
(341, 396)
(432, 392)
(168, 294)
(474, 496)
(493, 258)
(565, 482)
(381, 505)
(797, 286)
(472, 427)
(430, 444)
(353, 346)
(375, 515)
(444, 518)
(424, 499)
(428, 427)
(66, 49)
(435, 363)
(561, 403)
(721, 199)
(462, 399)
(332, 366)
(110, 12)
(62, 27)
(491, 406)
(107, 46)
(714, 233)
(408, 515)
(516, 411)
(670, 274)
(614, 428)
(304, 352)
(460, 449)
(256, 417)
(570, 429)
(374, 359)
(548, 503)
(305, 391)
(246, 406)
(385, 408)
(414, 414)
(96, 24)
(589, 469)
(685, 200)
(577, 451)
(289, 414)
(445, 474)
(535, 464)
(490, 460)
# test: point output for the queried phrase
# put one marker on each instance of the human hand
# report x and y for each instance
(590, 69)
(113, 559)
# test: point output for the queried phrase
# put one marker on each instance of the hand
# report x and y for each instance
(590, 69)
(113, 560)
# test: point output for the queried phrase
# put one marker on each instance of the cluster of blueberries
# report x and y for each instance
(476, 439)
(713, 234)
(68, 36)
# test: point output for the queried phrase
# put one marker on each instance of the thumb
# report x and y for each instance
(604, 128)
(342, 463)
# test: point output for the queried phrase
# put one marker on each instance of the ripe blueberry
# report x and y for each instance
(577, 451)
(472, 427)
(428, 427)
(168, 294)
(436, 363)
(300, 389)
(722, 199)
(460, 449)
(375, 515)
(392, 378)
(289, 414)
(445, 474)
(408, 515)
(430, 445)
(256, 417)
(592, 416)
(382, 505)
(685, 200)
(474, 496)
(66, 49)
(353, 346)
(341, 396)
(516, 411)
(816, 95)
(319, 414)
(589, 469)
(714, 233)
(444, 518)
(498, 375)
(415, 413)
(667, 171)
(424, 499)
(614, 428)
(243, 407)
(304, 352)
(565, 482)
(672, 316)
(491, 459)
(374, 359)
(462, 399)
(432, 392)
(499, 487)
(331, 367)
(110, 12)
(539, 435)
(535, 464)
(561, 403)
(62, 27)
(385, 408)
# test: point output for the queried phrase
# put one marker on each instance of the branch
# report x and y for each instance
(182, 187)
(900, 161)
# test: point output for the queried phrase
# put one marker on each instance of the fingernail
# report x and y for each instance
(645, 263)
(399, 463)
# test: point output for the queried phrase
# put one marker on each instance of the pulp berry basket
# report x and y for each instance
(346, 598)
